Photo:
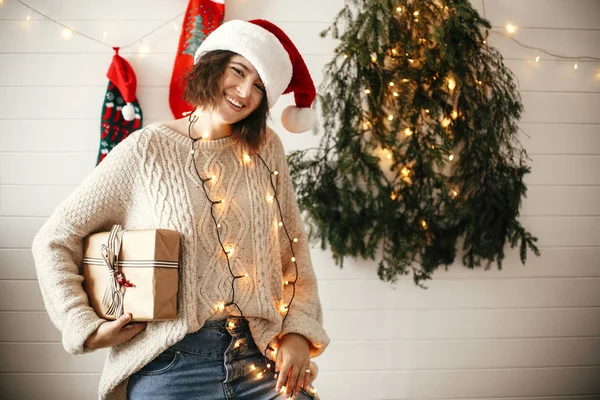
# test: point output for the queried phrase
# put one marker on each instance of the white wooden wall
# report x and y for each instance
(521, 333)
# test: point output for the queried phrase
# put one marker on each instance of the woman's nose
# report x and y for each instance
(244, 88)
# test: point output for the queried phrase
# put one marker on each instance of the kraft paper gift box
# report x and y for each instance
(146, 259)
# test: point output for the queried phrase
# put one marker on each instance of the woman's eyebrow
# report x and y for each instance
(246, 69)
(241, 65)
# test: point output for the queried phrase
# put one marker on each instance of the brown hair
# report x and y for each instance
(203, 88)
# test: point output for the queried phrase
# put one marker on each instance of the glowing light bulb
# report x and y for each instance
(345, 56)
(446, 122)
(390, 117)
(423, 223)
(66, 33)
(246, 275)
(221, 306)
(395, 52)
(537, 59)
(405, 171)
(287, 282)
(205, 135)
(280, 223)
(143, 49)
(230, 251)
(283, 308)
(575, 66)
(416, 13)
(399, 9)
(405, 80)
(373, 57)
(511, 28)
(237, 344)
(451, 83)
(396, 94)
(295, 240)
(454, 114)
(246, 157)
(454, 193)
(367, 91)
(293, 259)
(231, 324)
(213, 177)
(408, 132)
(391, 83)
(451, 157)
(282, 389)
(270, 198)
(427, 111)
(259, 375)
(252, 367)
(410, 60)
(393, 196)
(219, 226)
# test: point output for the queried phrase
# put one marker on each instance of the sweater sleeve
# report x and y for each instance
(305, 314)
(99, 202)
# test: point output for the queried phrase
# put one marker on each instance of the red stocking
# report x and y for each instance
(201, 18)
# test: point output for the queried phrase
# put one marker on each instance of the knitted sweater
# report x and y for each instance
(149, 181)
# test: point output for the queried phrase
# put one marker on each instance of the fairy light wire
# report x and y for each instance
(34, 10)
(192, 118)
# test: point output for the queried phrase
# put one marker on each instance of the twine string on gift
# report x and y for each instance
(112, 302)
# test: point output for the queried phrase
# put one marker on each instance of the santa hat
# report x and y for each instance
(122, 76)
(277, 61)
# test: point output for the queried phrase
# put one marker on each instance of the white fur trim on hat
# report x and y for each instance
(297, 119)
(260, 47)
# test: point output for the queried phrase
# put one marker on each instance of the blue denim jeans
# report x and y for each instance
(216, 363)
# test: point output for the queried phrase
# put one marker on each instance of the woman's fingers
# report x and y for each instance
(282, 379)
(300, 381)
(292, 384)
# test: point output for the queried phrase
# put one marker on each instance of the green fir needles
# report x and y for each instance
(419, 147)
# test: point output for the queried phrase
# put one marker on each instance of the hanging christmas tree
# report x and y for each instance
(419, 150)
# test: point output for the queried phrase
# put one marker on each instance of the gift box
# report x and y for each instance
(133, 272)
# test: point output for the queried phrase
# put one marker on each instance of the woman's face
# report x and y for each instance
(242, 91)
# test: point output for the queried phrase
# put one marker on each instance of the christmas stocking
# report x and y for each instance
(121, 112)
(201, 18)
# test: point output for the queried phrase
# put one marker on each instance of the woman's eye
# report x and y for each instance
(260, 87)
(238, 71)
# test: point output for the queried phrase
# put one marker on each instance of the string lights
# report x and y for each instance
(69, 31)
(228, 250)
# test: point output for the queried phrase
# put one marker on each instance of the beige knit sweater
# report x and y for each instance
(148, 181)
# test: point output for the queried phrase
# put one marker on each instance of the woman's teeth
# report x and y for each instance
(232, 101)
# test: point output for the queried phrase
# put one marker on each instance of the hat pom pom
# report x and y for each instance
(128, 112)
(298, 119)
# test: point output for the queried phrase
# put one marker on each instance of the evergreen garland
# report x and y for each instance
(419, 147)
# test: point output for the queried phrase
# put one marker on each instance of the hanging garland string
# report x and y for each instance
(34, 10)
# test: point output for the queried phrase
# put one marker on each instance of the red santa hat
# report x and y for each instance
(121, 74)
(277, 61)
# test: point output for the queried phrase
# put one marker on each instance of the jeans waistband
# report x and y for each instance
(214, 337)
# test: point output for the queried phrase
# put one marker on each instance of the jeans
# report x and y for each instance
(218, 362)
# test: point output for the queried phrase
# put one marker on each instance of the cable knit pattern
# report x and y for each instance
(148, 182)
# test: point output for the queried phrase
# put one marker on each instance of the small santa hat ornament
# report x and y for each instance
(121, 112)
(121, 74)
(277, 61)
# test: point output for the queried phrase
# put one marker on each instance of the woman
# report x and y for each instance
(247, 291)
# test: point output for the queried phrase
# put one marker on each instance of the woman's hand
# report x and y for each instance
(115, 332)
(292, 362)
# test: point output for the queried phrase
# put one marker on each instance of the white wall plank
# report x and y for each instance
(524, 332)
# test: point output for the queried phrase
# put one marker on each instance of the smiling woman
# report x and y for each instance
(249, 317)
(230, 96)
